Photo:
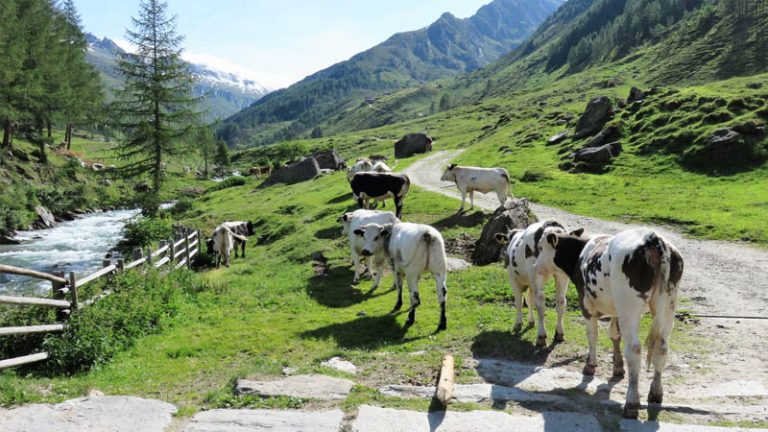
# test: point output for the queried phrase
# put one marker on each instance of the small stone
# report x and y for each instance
(289, 371)
(361, 314)
(340, 365)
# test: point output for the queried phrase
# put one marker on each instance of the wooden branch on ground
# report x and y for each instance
(444, 391)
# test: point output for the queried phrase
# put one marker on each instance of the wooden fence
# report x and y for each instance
(177, 253)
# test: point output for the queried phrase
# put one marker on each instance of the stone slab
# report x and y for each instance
(722, 389)
(243, 420)
(534, 378)
(340, 365)
(300, 386)
(90, 414)
(478, 393)
(374, 419)
(652, 426)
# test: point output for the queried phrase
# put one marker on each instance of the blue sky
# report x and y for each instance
(277, 42)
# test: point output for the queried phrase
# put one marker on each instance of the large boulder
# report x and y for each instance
(44, 220)
(723, 148)
(305, 169)
(515, 213)
(599, 111)
(601, 155)
(635, 95)
(329, 159)
(411, 144)
(607, 135)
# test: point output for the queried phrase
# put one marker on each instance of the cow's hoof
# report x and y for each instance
(559, 337)
(398, 306)
(655, 398)
(442, 326)
(631, 410)
(618, 373)
(518, 327)
(409, 322)
(589, 369)
(541, 342)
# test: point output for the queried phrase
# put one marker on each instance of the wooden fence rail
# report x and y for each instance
(178, 253)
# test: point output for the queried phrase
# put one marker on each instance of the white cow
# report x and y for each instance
(354, 220)
(362, 165)
(381, 167)
(412, 249)
(224, 242)
(527, 272)
(622, 277)
(473, 179)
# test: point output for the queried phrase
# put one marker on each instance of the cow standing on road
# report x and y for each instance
(473, 179)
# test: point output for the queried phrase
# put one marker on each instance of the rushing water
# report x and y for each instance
(77, 246)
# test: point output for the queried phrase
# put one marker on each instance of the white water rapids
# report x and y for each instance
(78, 246)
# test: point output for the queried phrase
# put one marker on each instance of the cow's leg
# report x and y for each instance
(591, 366)
(226, 259)
(538, 293)
(629, 320)
(356, 263)
(463, 199)
(242, 250)
(362, 203)
(517, 291)
(399, 286)
(561, 287)
(471, 200)
(530, 302)
(618, 359)
(413, 287)
(442, 296)
(377, 269)
(659, 355)
(218, 260)
(398, 206)
(502, 197)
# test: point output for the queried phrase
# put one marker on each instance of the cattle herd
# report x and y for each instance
(618, 277)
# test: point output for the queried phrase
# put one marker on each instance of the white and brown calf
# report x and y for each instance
(622, 277)
(528, 272)
(473, 179)
(352, 221)
(412, 249)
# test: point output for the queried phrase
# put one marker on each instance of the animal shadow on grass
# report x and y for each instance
(341, 198)
(512, 346)
(364, 332)
(334, 289)
(464, 220)
(332, 233)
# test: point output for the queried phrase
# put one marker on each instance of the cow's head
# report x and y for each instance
(345, 220)
(209, 245)
(250, 228)
(448, 174)
(547, 246)
(374, 237)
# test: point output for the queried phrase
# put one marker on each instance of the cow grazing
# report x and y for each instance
(376, 186)
(242, 229)
(527, 272)
(359, 218)
(473, 179)
(223, 243)
(623, 276)
(361, 165)
(412, 249)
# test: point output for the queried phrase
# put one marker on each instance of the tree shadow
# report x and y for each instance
(364, 332)
(334, 289)
(463, 220)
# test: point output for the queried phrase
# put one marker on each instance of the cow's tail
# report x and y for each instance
(237, 236)
(669, 272)
(428, 241)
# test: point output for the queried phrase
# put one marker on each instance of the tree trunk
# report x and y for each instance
(68, 136)
(7, 132)
(50, 129)
(43, 156)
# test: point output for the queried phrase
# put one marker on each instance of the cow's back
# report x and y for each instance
(378, 184)
(420, 247)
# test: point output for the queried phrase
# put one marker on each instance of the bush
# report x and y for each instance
(183, 205)
(228, 183)
(145, 232)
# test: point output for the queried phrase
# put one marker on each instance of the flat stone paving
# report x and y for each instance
(244, 420)
(649, 426)
(374, 419)
(90, 414)
(535, 378)
(300, 386)
(477, 393)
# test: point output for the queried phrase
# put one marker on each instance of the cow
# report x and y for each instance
(243, 229)
(622, 277)
(354, 220)
(412, 249)
(362, 165)
(376, 186)
(381, 167)
(526, 272)
(223, 243)
(473, 179)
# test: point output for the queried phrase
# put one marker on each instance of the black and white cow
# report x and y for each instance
(412, 249)
(359, 218)
(223, 243)
(380, 186)
(242, 229)
(622, 277)
(526, 273)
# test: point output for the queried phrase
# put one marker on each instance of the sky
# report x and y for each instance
(277, 42)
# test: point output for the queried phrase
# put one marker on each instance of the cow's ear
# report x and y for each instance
(451, 166)
(552, 239)
(344, 217)
(577, 232)
(502, 238)
(386, 232)
(360, 232)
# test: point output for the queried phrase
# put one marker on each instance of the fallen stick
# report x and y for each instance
(444, 391)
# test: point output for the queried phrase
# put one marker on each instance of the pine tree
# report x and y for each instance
(222, 154)
(155, 108)
(206, 145)
(10, 65)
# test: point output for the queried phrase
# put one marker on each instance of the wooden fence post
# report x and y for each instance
(173, 251)
(73, 290)
(106, 262)
(58, 294)
(199, 243)
(136, 254)
(149, 257)
(187, 252)
(120, 265)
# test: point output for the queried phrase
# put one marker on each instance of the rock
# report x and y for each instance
(557, 138)
(531, 377)
(297, 172)
(635, 95)
(751, 127)
(340, 365)
(329, 159)
(474, 393)
(9, 240)
(411, 144)
(514, 214)
(245, 420)
(755, 85)
(300, 386)
(599, 111)
(90, 414)
(609, 134)
(627, 425)
(723, 146)
(456, 264)
(44, 219)
(601, 155)
(141, 188)
(374, 419)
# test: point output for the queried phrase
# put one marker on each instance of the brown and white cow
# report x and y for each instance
(376, 186)
(622, 277)
(474, 179)
(526, 273)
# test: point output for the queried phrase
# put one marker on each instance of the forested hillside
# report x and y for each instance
(447, 47)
